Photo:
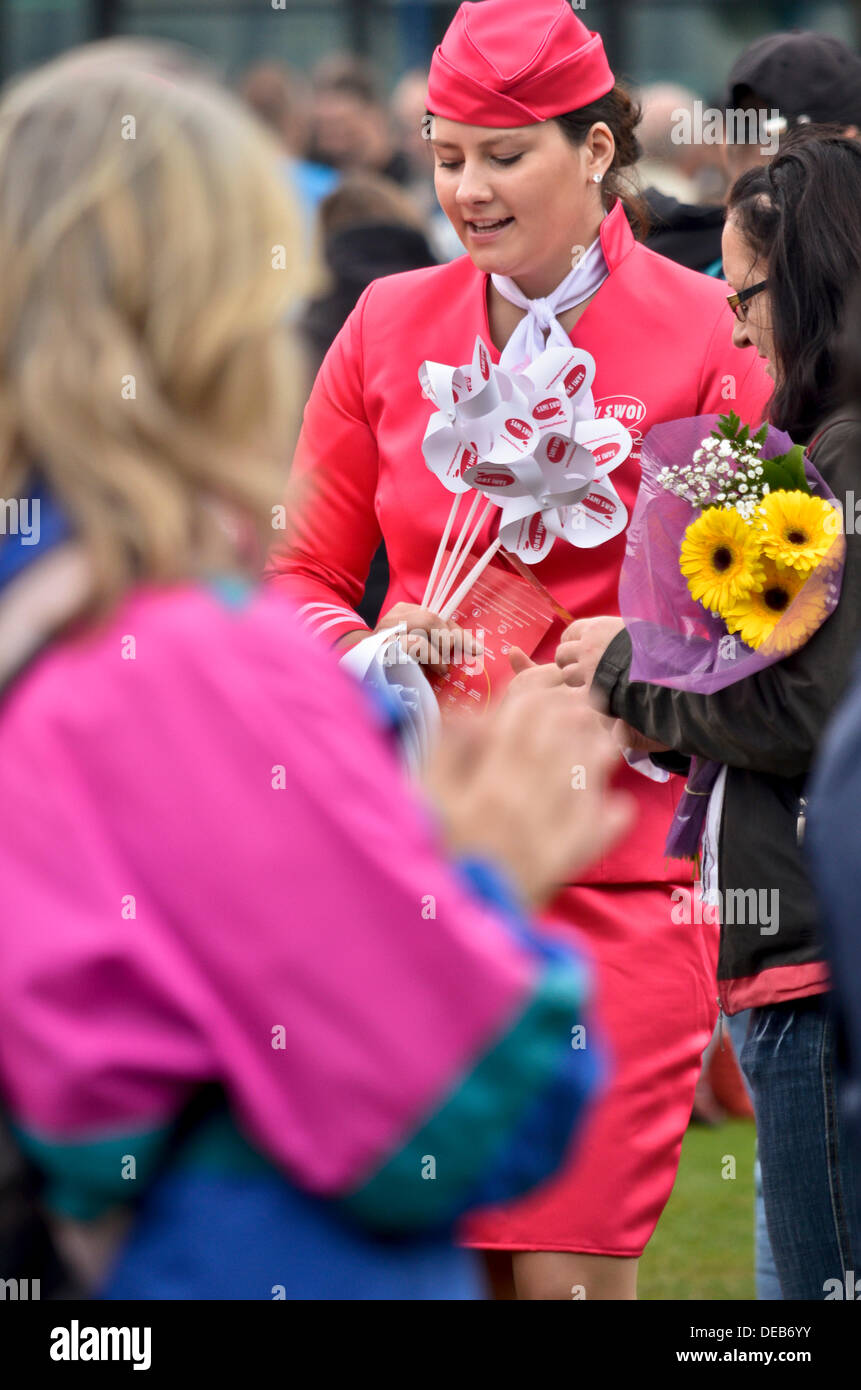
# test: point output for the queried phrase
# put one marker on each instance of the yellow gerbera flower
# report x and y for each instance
(796, 529)
(806, 614)
(720, 558)
(755, 616)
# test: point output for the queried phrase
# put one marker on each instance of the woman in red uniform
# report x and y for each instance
(530, 132)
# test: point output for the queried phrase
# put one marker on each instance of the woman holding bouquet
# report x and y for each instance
(792, 256)
(531, 137)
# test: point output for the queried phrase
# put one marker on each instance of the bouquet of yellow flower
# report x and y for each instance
(734, 560)
(734, 553)
(760, 535)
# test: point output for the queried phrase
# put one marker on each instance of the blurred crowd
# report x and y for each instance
(362, 168)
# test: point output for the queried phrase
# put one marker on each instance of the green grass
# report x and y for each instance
(703, 1246)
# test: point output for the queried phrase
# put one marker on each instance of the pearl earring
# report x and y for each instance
(596, 178)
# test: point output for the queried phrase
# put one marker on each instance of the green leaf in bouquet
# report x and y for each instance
(725, 427)
(779, 479)
(785, 472)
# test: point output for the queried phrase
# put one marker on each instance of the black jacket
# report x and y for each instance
(766, 729)
(689, 233)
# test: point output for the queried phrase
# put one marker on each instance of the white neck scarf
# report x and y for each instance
(528, 340)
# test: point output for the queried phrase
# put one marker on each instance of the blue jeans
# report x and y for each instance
(767, 1282)
(807, 1178)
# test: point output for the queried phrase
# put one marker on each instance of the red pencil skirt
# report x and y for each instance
(654, 1009)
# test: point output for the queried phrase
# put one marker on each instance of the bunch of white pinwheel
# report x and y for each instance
(528, 443)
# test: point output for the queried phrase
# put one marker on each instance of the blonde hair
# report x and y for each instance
(149, 254)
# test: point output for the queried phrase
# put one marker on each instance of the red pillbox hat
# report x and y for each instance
(509, 63)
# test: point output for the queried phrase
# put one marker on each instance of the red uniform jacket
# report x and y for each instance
(661, 338)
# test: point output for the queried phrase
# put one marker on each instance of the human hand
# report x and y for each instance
(528, 787)
(530, 675)
(433, 641)
(582, 645)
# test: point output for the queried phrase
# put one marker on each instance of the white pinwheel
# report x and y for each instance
(529, 443)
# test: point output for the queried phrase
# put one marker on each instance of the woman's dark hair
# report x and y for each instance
(800, 216)
(850, 380)
(621, 113)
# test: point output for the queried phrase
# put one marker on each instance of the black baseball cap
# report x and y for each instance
(807, 76)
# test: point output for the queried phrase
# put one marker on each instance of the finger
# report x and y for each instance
(414, 616)
(572, 630)
(435, 644)
(450, 644)
(401, 613)
(467, 641)
(567, 652)
(439, 646)
(519, 660)
(572, 675)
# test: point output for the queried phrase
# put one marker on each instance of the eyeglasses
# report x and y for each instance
(738, 302)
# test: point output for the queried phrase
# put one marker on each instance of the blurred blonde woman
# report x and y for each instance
(245, 991)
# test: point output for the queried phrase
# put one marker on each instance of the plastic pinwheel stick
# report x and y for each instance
(454, 558)
(463, 589)
(441, 549)
(446, 586)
